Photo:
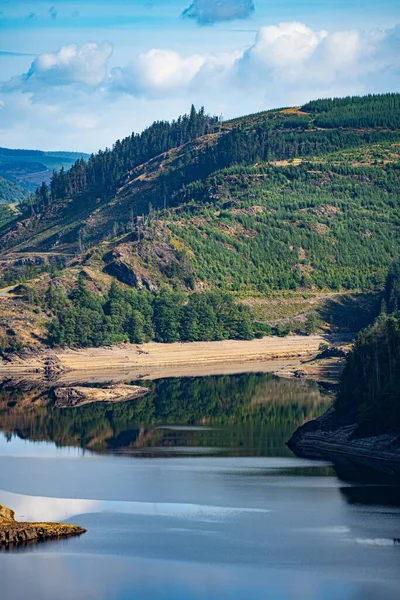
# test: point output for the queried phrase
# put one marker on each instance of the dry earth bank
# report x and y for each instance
(175, 359)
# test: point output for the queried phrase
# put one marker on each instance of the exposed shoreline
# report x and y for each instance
(326, 438)
(14, 532)
(152, 360)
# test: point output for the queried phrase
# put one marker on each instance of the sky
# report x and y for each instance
(79, 74)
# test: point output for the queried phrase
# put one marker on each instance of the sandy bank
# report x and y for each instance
(152, 359)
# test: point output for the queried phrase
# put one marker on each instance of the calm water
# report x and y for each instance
(190, 493)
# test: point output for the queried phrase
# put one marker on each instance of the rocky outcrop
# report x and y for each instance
(328, 438)
(15, 532)
(130, 276)
(74, 397)
(52, 367)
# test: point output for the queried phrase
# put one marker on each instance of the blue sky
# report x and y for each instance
(79, 74)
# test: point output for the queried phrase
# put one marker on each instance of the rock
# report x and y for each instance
(73, 397)
(333, 352)
(52, 367)
(329, 438)
(299, 374)
(68, 397)
(130, 276)
(6, 513)
(15, 532)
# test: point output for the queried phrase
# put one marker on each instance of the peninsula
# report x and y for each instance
(18, 532)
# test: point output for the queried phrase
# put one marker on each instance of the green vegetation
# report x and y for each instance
(270, 202)
(6, 215)
(26, 272)
(278, 135)
(371, 380)
(100, 175)
(355, 111)
(86, 319)
(327, 224)
(210, 216)
(10, 192)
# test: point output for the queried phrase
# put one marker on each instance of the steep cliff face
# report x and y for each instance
(15, 532)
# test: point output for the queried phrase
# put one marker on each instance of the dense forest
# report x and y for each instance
(278, 135)
(84, 318)
(355, 111)
(100, 174)
(331, 223)
(370, 386)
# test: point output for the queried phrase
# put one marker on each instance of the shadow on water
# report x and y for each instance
(369, 486)
(372, 495)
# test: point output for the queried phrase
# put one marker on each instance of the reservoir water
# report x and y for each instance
(190, 493)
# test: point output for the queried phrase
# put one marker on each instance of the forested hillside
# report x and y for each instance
(370, 387)
(296, 200)
(10, 192)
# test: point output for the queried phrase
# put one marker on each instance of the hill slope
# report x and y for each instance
(302, 199)
(10, 192)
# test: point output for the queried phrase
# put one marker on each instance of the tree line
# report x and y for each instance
(85, 318)
(381, 110)
(276, 137)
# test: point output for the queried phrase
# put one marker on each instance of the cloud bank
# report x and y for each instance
(284, 57)
(77, 92)
(208, 12)
(86, 65)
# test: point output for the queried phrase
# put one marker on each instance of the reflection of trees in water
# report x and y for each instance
(257, 412)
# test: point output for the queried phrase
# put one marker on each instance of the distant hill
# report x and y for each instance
(10, 192)
(28, 168)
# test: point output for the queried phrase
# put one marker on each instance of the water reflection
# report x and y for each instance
(250, 414)
(231, 514)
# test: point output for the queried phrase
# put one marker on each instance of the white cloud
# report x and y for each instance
(283, 58)
(83, 65)
(73, 98)
(157, 72)
(207, 12)
(284, 46)
(165, 73)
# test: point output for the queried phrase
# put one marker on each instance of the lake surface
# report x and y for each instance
(190, 493)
